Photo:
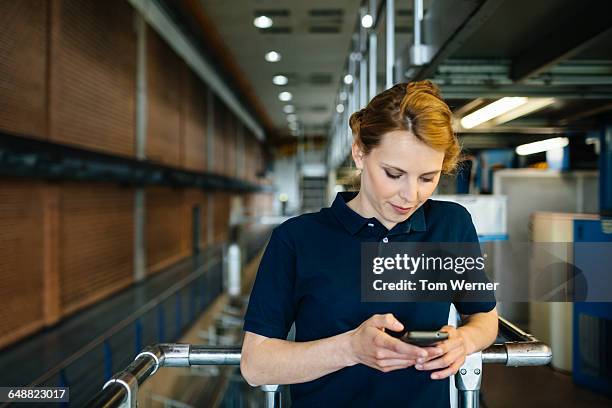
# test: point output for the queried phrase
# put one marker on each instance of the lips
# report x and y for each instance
(401, 209)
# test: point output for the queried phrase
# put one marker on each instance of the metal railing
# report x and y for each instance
(121, 390)
(522, 349)
(161, 318)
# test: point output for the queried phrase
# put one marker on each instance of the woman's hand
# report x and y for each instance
(447, 355)
(370, 345)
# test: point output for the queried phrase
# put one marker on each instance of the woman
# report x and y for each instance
(310, 272)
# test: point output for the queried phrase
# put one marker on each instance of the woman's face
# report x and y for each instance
(398, 176)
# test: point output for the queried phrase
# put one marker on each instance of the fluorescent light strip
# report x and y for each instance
(542, 146)
(492, 110)
(532, 105)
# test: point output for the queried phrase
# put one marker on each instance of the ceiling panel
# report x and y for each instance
(314, 60)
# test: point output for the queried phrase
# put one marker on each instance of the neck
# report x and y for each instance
(362, 206)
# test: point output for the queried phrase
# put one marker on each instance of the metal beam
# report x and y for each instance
(469, 107)
(390, 43)
(141, 87)
(559, 91)
(363, 62)
(569, 39)
(525, 130)
(448, 46)
(492, 141)
(156, 17)
(42, 160)
(372, 38)
(140, 251)
(586, 114)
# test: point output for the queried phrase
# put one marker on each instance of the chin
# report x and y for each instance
(399, 218)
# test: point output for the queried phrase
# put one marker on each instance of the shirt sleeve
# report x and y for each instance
(471, 307)
(271, 309)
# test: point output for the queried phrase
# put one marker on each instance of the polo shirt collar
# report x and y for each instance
(353, 222)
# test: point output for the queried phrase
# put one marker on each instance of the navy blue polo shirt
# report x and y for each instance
(310, 274)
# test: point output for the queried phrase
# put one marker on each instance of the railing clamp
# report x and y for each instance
(468, 379)
(176, 355)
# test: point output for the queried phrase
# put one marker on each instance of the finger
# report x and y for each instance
(395, 362)
(441, 362)
(384, 353)
(450, 344)
(432, 352)
(395, 367)
(393, 344)
(450, 370)
(387, 321)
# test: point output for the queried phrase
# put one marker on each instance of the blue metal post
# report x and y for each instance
(192, 301)
(161, 324)
(605, 171)
(137, 336)
(178, 316)
(198, 294)
(63, 382)
(108, 361)
(205, 287)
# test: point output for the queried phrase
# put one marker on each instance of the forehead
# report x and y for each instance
(402, 149)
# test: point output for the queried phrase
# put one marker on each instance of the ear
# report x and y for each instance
(357, 155)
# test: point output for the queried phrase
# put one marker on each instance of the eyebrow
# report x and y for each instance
(403, 171)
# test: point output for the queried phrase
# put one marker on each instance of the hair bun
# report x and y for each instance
(355, 121)
(425, 86)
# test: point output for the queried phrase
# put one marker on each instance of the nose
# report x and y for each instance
(409, 192)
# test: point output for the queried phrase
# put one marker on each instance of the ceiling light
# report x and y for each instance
(367, 21)
(285, 96)
(280, 80)
(288, 109)
(492, 110)
(532, 105)
(273, 56)
(262, 22)
(343, 96)
(348, 79)
(293, 125)
(292, 117)
(340, 108)
(542, 146)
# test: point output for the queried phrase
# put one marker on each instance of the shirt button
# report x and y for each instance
(385, 240)
(370, 224)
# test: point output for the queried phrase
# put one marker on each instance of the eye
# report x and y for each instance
(427, 180)
(393, 176)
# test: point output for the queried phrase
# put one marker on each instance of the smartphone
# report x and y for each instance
(420, 338)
